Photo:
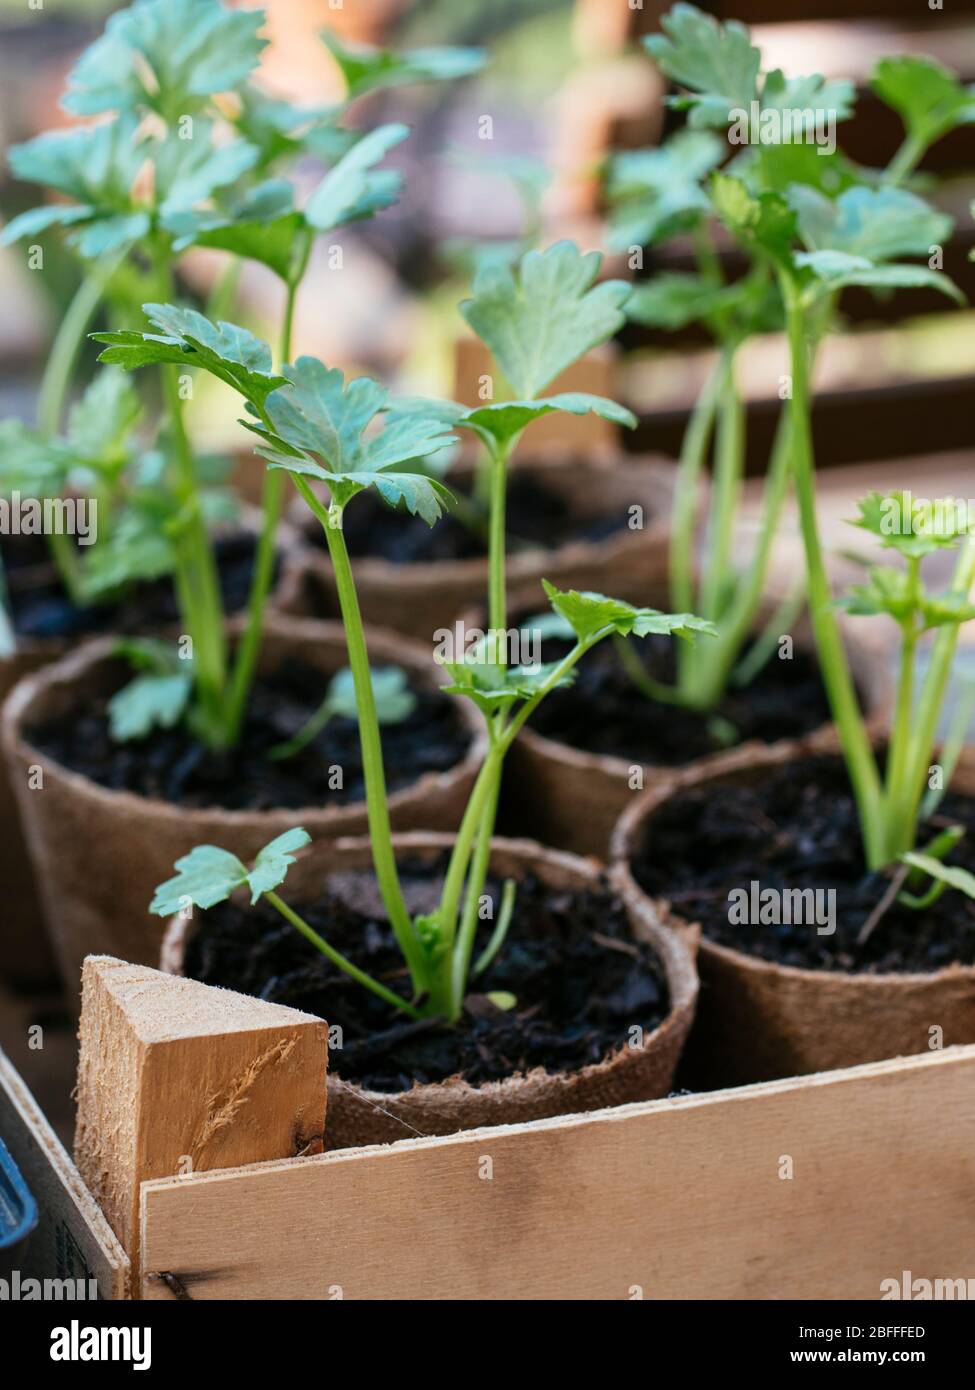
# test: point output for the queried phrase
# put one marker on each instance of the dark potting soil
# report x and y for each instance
(536, 515)
(604, 713)
(172, 764)
(44, 610)
(580, 980)
(797, 828)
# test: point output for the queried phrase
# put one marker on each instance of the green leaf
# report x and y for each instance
(911, 526)
(589, 614)
(674, 300)
(146, 703)
(656, 193)
(273, 862)
(319, 427)
(188, 171)
(208, 875)
(281, 131)
(888, 591)
(502, 999)
(190, 340)
(715, 62)
(136, 549)
(927, 96)
(263, 226)
(394, 699)
(803, 99)
(540, 320)
(31, 464)
(353, 189)
(369, 69)
(492, 687)
(949, 875)
(96, 166)
(881, 224)
(166, 55)
(946, 610)
(884, 277)
(764, 221)
(504, 419)
(100, 424)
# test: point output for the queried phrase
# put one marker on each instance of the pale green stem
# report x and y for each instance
(377, 808)
(694, 447)
(837, 678)
(726, 498)
(336, 957)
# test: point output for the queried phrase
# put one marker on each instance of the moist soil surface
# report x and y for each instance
(44, 609)
(536, 516)
(604, 713)
(173, 765)
(797, 828)
(580, 980)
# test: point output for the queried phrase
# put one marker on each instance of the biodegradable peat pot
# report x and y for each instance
(759, 1020)
(421, 599)
(644, 1072)
(552, 780)
(98, 854)
(26, 957)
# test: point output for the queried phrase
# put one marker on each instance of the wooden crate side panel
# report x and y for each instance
(72, 1239)
(686, 1198)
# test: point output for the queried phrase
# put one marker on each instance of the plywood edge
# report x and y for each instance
(891, 1068)
(71, 1222)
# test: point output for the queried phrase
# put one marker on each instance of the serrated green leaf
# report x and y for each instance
(353, 189)
(492, 687)
(319, 430)
(674, 300)
(282, 131)
(926, 95)
(946, 610)
(763, 221)
(715, 62)
(657, 193)
(206, 876)
(99, 425)
(804, 99)
(185, 337)
(273, 862)
(502, 420)
(147, 703)
(190, 170)
(167, 56)
(881, 224)
(902, 523)
(590, 614)
(542, 318)
(97, 166)
(263, 226)
(888, 591)
(369, 69)
(31, 464)
(137, 549)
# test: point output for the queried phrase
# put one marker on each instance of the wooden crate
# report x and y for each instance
(817, 1187)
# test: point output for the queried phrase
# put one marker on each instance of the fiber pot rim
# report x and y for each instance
(672, 941)
(652, 474)
(72, 667)
(632, 824)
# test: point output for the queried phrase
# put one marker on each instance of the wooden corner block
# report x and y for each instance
(176, 1077)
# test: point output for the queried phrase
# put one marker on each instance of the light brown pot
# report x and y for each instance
(26, 957)
(98, 854)
(355, 1116)
(758, 1021)
(418, 600)
(572, 799)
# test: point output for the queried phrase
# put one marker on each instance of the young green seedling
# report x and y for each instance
(323, 433)
(781, 128)
(393, 697)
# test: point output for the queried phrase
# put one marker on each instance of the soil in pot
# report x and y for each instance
(580, 979)
(604, 713)
(796, 827)
(44, 610)
(173, 765)
(537, 515)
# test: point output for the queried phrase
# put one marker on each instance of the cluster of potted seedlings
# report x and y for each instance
(311, 804)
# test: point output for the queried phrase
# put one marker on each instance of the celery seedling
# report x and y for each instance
(317, 428)
(660, 193)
